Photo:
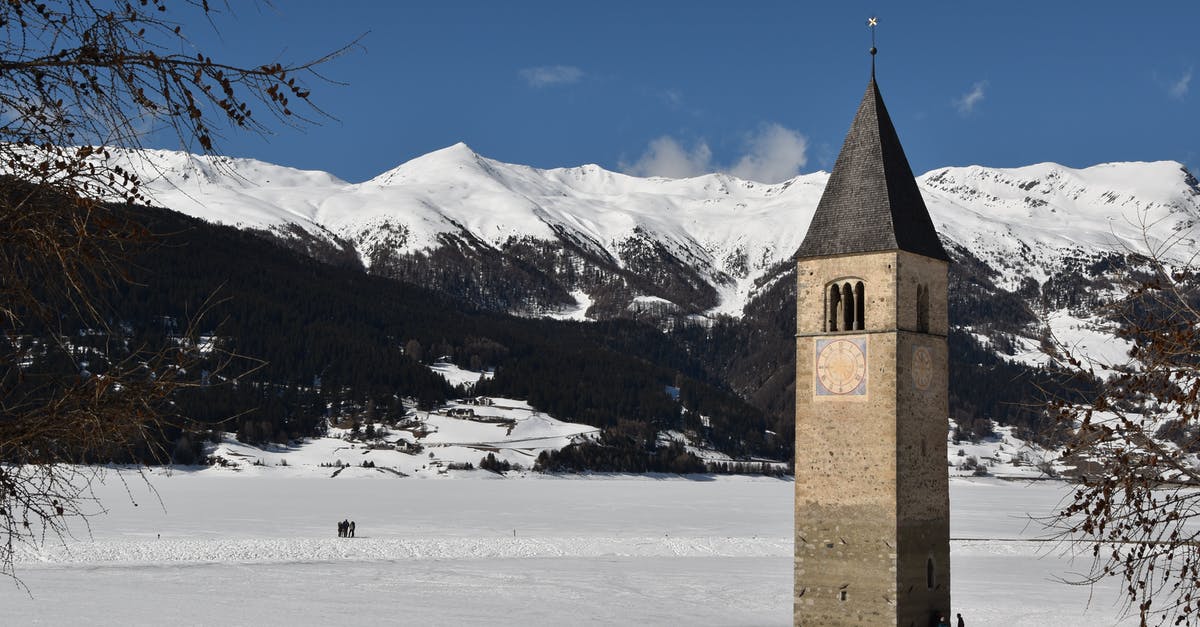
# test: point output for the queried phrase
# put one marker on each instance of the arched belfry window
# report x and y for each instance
(860, 306)
(835, 307)
(848, 308)
(845, 306)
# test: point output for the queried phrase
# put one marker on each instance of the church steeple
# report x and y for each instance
(872, 202)
(872, 542)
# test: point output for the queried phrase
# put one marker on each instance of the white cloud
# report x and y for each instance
(667, 157)
(1179, 88)
(672, 98)
(966, 103)
(551, 75)
(772, 155)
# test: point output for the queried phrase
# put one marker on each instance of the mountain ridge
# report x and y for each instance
(703, 244)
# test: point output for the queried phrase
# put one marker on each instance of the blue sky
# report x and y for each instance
(762, 89)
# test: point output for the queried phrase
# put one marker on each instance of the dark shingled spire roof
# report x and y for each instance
(871, 202)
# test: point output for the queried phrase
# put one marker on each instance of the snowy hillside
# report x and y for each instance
(450, 441)
(1025, 221)
(722, 231)
(238, 192)
(425, 444)
(439, 442)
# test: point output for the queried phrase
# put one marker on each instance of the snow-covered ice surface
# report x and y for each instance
(262, 550)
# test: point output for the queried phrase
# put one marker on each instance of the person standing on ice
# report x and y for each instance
(961, 622)
(352, 529)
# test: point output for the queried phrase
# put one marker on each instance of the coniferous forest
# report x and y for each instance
(287, 344)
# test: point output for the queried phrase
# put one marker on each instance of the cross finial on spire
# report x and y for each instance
(873, 23)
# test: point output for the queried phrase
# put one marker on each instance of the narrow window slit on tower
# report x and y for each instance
(923, 308)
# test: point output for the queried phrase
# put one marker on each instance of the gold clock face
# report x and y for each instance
(922, 367)
(841, 367)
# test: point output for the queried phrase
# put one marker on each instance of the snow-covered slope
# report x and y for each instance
(239, 192)
(450, 440)
(1025, 221)
(425, 444)
(727, 232)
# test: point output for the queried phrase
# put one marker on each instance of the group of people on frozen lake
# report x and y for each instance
(942, 622)
(346, 529)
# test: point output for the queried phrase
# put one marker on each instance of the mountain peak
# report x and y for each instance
(452, 157)
(458, 150)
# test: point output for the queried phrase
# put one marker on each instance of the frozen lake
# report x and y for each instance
(262, 550)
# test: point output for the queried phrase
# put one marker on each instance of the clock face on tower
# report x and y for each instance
(841, 367)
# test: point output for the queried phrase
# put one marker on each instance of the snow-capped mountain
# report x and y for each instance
(1026, 221)
(1037, 251)
(528, 240)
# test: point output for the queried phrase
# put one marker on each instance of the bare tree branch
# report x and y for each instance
(78, 80)
(1135, 442)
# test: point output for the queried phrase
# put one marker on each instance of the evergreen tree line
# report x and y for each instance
(625, 447)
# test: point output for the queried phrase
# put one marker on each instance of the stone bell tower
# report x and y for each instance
(872, 494)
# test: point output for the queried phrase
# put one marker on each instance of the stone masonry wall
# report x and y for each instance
(872, 504)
